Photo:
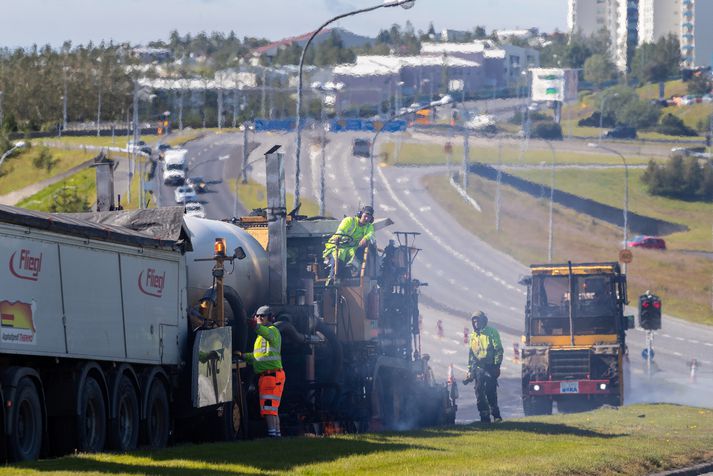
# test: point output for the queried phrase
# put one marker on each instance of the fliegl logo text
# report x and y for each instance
(25, 265)
(151, 282)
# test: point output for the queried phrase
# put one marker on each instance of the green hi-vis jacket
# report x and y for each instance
(485, 348)
(349, 226)
(266, 353)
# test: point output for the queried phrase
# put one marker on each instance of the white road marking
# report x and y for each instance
(693, 341)
(448, 351)
(402, 180)
(665, 335)
(678, 354)
(424, 209)
(680, 339)
(460, 256)
(708, 344)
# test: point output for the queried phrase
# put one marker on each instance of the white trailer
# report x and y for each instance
(95, 343)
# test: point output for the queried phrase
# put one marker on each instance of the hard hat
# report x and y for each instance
(264, 311)
(368, 210)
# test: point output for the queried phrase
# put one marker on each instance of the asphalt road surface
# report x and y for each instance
(463, 273)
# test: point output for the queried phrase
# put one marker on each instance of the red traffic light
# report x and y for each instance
(657, 304)
(645, 303)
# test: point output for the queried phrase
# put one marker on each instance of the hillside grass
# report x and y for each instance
(19, 171)
(693, 115)
(508, 153)
(632, 440)
(682, 279)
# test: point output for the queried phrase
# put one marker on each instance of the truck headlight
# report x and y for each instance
(536, 388)
(602, 386)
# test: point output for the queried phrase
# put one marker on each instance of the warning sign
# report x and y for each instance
(625, 256)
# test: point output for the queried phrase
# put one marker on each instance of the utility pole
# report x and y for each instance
(246, 153)
(466, 158)
(235, 108)
(262, 98)
(180, 109)
(1, 111)
(136, 136)
(322, 162)
(64, 101)
(220, 107)
(497, 186)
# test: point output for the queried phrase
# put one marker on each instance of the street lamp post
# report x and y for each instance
(550, 239)
(298, 125)
(12, 149)
(601, 113)
(445, 100)
(626, 192)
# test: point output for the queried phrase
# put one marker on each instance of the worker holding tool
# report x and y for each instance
(267, 364)
(485, 355)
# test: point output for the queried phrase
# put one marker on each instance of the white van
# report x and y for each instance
(174, 166)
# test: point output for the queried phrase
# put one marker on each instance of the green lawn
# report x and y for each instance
(19, 171)
(507, 153)
(638, 439)
(589, 102)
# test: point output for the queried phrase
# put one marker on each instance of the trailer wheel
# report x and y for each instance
(537, 406)
(157, 423)
(92, 417)
(124, 429)
(25, 441)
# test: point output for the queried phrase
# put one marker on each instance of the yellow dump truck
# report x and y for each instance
(574, 345)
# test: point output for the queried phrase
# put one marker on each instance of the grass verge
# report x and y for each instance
(19, 171)
(507, 152)
(254, 195)
(637, 439)
(682, 279)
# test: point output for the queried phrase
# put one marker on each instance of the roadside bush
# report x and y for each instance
(44, 160)
(533, 115)
(674, 126)
(67, 200)
(593, 120)
(547, 130)
(639, 114)
(680, 178)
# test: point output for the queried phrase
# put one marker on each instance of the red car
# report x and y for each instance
(652, 242)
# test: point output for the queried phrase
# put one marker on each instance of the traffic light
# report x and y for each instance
(650, 312)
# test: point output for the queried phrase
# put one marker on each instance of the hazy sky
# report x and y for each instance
(25, 22)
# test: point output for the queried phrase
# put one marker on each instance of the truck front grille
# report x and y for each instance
(569, 364)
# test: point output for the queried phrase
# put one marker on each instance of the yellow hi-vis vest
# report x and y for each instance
(349, 226)
(266, 352)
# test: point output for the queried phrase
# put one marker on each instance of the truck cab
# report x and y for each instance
(575, 337)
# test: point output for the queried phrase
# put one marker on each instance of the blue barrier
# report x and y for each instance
(367, 125)
(274, 124)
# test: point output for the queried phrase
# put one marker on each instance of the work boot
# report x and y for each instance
(497, 419)
(484, 418)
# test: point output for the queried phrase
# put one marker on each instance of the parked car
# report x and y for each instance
(621, 132)
(643, 241)
(361, 147)
(198, 183)
(195, 209)
(185, 193)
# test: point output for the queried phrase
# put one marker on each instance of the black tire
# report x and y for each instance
(157, 423)
(25, 441)
(91, 423)
(537, 405)
(124, 429)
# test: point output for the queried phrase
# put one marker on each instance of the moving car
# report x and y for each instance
(174, 175)
(643, 241)
(195, 209)
(361, 147)
(198, 183)
(185, 193)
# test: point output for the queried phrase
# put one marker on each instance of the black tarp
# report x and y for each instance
(152, 228)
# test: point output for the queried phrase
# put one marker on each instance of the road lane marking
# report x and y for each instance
(424, 209)
(455, 253)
